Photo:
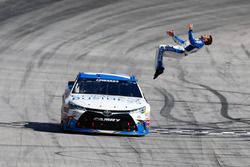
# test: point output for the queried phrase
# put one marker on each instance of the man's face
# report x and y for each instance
(205, 37)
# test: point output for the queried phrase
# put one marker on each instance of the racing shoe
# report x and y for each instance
(158, 72)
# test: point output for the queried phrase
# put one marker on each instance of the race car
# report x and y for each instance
(105, 103)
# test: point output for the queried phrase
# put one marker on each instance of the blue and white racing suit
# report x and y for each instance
(178, 51)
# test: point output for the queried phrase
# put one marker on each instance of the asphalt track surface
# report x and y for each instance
(200, 105)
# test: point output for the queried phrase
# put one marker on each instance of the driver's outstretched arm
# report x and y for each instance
(176, 39)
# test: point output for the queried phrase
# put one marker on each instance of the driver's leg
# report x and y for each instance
(174, 51)
(159, 67)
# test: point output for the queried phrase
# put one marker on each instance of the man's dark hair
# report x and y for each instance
(209, 41)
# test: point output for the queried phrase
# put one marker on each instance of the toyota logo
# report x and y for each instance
(107, 113)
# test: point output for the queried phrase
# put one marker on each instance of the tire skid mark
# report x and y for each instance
(29, 68)
(223, 100)
(224, 70)
(13, 8)
(142, 44)
(107, 153)
(135, 28)
(135, 149)
(113, 149)
(88, 47)
(123, 161)
(122, 39)
(114, 14)
(119, 13)
(224, 91)
(47, 101)
(197, 125)
(41, 127)
(235, 56)
(6, 100)
(230, 78)
(196, 12)
(166, 112)
(99, 41)
(187, 108)
(213, 62)
(49, 55)
(169, 103)
(202, 102)
(181, 17)
(32, 27)
(100, 149)
(31, 64)
(130, 11)
(60, 15)
(245, 50)
(205, 102)
(82, 56)
(217, 160)
(23, 151)
(224, 105)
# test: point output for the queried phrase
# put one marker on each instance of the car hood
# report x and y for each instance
(107, 102)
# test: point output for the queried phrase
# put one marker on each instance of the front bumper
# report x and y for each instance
(141, 129)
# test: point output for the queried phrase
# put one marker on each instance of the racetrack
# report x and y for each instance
(200, 105)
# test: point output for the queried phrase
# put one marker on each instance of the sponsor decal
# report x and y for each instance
(106, 80)
(106, 119)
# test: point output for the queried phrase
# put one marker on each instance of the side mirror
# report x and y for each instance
(70, 84)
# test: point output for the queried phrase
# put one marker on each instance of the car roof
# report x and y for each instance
(107, 76)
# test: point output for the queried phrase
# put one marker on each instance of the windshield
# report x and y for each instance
(107, 87)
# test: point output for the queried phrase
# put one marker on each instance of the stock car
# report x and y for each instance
(105, 103)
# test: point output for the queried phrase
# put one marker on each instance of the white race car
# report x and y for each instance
(105, 103)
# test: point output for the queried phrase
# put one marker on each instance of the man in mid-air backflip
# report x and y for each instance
(183, 48)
